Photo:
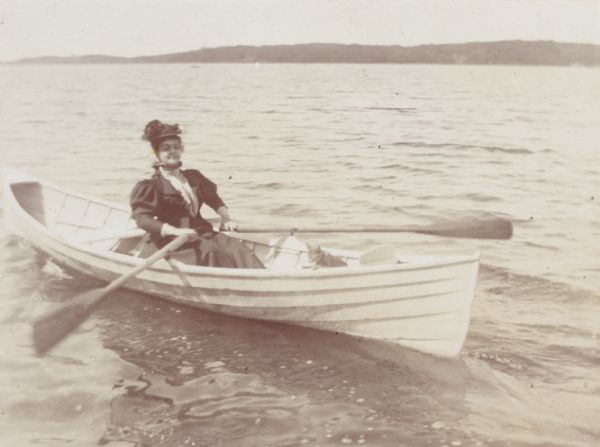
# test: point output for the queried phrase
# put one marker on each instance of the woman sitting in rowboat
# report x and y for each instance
(168, 205)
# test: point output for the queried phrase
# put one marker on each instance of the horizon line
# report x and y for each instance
(74, 56)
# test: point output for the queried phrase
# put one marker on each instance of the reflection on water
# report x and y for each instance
(209, 377)
(225, 407)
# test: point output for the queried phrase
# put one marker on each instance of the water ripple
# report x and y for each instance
(459, 147)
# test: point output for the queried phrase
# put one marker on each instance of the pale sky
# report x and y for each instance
(30, 28)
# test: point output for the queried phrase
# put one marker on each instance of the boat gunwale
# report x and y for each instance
(228, 273)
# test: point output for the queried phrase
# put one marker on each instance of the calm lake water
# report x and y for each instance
(308, 145)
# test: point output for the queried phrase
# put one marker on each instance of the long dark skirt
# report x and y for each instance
(213, 250)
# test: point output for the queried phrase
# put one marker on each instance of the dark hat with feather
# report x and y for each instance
(156, 131)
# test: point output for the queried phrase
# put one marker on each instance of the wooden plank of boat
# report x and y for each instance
(422, 302)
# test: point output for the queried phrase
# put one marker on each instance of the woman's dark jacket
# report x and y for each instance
(155, 201)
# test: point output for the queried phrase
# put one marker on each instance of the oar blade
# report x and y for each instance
(52, 328)
(471, 229)
(49, 330)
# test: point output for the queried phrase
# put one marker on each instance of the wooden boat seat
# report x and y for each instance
(131, 246)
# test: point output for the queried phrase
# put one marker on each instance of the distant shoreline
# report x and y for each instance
(432, 64)
(514, 52)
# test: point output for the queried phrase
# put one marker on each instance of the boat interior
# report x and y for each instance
(86, 221)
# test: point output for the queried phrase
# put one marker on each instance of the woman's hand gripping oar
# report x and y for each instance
(50, 329)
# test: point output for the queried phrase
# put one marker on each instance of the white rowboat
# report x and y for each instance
(420, 302)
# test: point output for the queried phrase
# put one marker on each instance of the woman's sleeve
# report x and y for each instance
(208, 193)
(144, 203)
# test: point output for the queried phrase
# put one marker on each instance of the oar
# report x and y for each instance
(50, 329)
(487, 228)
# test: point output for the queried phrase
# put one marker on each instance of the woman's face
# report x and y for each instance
(169, 152)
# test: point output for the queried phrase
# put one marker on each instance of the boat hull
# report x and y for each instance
(423, 305)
